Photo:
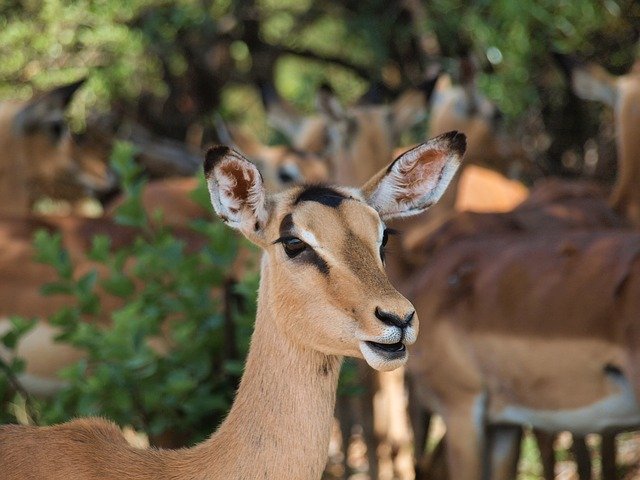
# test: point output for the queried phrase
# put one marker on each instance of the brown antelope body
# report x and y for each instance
(536, 330)
(42, 159)
(316, 240)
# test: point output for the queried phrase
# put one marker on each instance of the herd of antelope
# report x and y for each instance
(528, 300)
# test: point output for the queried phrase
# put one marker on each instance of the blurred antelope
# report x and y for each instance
(41, 158)
(592, 82)
(279, 425)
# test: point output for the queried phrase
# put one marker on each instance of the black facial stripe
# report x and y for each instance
(321, 194)
(312, 258)
(309, 255)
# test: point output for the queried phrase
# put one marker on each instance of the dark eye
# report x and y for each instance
(56, 129)
(385, 239)
(293, 246)
(284, 176)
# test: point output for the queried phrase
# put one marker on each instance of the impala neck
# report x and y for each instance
(626, 194)
(280, 422)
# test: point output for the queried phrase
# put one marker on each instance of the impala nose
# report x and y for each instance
(394, 320)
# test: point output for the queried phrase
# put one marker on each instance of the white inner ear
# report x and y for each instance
(413, 184)
(241, 193)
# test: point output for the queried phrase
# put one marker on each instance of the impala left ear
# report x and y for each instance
(416, 179)
(237, 191)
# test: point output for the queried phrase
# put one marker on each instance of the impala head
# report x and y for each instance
(357, 140)
(57, 165)
(463, 107)
(324, 248)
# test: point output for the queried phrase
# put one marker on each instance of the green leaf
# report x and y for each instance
(100, 247)
(234, 367)
(56, 288)
(118, 284)
(86, 283)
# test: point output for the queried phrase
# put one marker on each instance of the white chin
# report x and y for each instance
(383, 361)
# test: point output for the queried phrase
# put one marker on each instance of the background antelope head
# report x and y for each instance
(323, 269)
(356, 140)
(44, 152)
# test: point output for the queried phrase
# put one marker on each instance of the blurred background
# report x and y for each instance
(119, 296)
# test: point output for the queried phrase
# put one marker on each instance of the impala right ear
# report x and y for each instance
(416, 179)
(237, 190)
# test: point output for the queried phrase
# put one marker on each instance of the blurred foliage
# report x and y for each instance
(11, 392)
(129, 49)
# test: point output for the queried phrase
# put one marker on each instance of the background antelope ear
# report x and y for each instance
(416, 179)
(328, 104)
(46, 110)
(237, 190)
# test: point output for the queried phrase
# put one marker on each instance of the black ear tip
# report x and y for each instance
(213, 156)
(325, 88)
(567, 63)
(457, 141)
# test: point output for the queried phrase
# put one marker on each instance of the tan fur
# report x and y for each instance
(280, 422)
(41, 158)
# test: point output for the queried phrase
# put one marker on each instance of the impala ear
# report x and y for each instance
(416, 179)
(237, 190)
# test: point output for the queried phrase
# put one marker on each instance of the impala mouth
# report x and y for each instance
(392, 350)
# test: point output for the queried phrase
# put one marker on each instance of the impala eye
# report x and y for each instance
(293, 246)
(385, 239)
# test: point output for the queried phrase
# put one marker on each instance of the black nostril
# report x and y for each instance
(409, 318)
(394, 320)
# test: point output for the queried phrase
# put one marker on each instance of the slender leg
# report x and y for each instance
(465, 439)
(434, 466)
(504, 452)
(608, 452)
(583, 457)
(420, 419)
(369, 383)
(344, 414)
(547, 453)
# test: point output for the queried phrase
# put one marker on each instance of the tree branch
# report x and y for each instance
(359, 70)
